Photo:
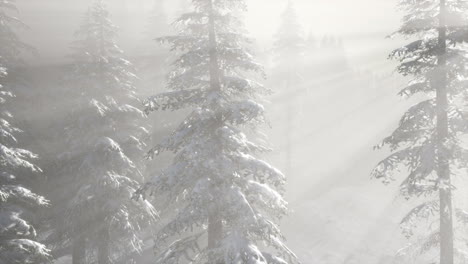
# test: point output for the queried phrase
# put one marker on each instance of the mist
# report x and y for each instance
(233, 132)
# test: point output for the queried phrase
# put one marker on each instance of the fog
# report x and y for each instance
(322, 126)
(365, 31)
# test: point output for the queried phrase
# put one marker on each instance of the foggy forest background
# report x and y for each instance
(105, 124)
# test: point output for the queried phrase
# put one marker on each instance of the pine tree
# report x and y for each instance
(289, 48)
(156, 55)
(18, 204)
(223, 192)
(427, 140)
(105, 138)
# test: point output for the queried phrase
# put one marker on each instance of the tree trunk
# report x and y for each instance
(443, 167)
(104, 246)
(79, 250)
(215, 224)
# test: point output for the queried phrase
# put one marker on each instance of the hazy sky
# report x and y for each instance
(339, 132)
(362, 23)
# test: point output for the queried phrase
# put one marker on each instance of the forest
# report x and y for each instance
(233, 132)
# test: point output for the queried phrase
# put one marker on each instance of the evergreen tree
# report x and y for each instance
(105, 139)
(18, 204)
(156, 55)
(289, 48)
(427, 140)
(183, 6)
(289, 43)
(12, 46)
(222, 190)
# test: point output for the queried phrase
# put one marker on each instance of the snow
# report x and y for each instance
(217, 170)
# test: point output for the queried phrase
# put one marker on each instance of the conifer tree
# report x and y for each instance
(289, 48)
(224, 193)
(105, 140)
(427, 140)
(12, 47)
(18, 204)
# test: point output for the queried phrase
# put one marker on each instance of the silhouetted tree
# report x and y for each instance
(289, 51)
(427, 139)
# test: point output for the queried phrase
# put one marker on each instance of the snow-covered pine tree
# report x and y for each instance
(289, 49)
(289, 43)
(18, 204)
(105, 140)
(183, 6)
(224, 193)
(12, 47)
(427, 139)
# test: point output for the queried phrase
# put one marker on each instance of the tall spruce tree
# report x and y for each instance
(427, 140)
(105, 140)
(18, 204)
(183, 6)
(224, 193)
(289, 48)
